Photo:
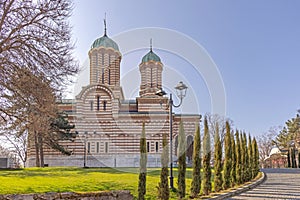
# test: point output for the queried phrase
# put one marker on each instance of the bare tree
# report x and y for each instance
(215, 120)
(35, 40)
(266, 142)
(36, 63)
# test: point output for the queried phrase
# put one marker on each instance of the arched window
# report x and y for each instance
(151, 78)
(156, 147)
(98, 102)
(104, 105)
(148, 147)
(102, 75)
(102, 59)
(108, 76)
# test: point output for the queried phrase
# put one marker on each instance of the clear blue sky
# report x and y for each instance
(255, 45)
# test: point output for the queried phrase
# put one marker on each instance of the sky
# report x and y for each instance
(248, 53)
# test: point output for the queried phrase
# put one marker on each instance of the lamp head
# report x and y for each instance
(181, 89)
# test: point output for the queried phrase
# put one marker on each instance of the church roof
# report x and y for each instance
(106, 42)
(151, 56)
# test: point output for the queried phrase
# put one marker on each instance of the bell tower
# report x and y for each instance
(151, 74)
(105, 59)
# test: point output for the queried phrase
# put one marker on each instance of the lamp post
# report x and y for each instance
(181, 89)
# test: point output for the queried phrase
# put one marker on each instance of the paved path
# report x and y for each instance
(280, 184)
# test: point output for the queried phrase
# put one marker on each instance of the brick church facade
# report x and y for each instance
(108, 125)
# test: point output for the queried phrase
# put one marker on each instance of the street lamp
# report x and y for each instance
(181, 89)
(84, 155)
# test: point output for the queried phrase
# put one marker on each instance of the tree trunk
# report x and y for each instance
(37, 154)
(41, 149)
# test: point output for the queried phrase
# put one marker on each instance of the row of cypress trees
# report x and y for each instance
(239, 164)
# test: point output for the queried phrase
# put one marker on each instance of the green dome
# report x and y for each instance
(151, 56)
(105, 41)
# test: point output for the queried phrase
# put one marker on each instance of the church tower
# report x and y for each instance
(151, 75)
(105, 59)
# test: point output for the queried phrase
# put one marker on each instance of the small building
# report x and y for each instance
(4, 162)
(277, 158)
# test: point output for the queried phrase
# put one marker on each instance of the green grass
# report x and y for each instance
(72, 179)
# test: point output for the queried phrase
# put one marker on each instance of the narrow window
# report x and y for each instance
(98, 102)
(148, 146)
(89, 147)
(108, 76)
(91, 104)
(102, 59)
(104, 105)
(98, 147)
(156, 147)
(106, 147)
(97, 75)
(96, 59)
(151, 77)
(102, 75)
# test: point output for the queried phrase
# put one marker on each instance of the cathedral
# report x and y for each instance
(108, 125)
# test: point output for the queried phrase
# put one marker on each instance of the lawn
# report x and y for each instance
(72, 179)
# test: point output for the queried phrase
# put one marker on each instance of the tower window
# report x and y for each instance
(92, 105)
(156, 147)
(148, 147)
(104, 105)
(102, 55)
(151, 81)
(97, 75)
(108, 76)
(98, 102)
(96, 59)
(102, 75)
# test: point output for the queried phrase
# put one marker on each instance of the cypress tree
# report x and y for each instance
(238, 158)
(227, 161)
(218, 181)
(246, 178)
(256, 157)
(181, 162)
(143, 165)
(255, 164)
(250, 156)
(233, 163)
(206, 183)
(196, 180)
(163, 186)
(243, 165)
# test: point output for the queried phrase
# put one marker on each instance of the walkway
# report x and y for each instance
(280, 184)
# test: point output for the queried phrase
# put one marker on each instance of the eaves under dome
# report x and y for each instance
(106, 42)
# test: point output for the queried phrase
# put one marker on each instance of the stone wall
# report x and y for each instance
(111, 195)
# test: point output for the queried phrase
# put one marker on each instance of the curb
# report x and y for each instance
(242, 189)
